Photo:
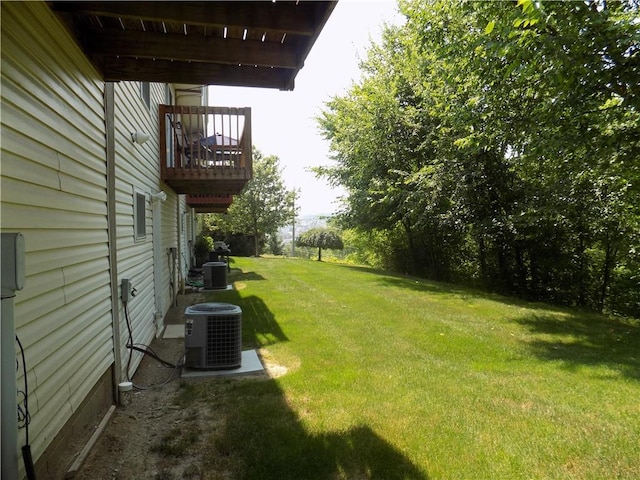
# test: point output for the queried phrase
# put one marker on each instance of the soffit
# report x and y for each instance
(238, 43)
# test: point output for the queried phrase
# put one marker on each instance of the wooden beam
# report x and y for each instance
(127, 43)
(95, 436)
(165, 71)
(281, 16)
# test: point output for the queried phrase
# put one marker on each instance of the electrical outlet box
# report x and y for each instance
(13, 260)
(126, 287)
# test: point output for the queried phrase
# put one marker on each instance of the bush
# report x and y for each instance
(204, 244)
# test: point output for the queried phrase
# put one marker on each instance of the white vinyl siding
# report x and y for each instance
(53, 190)
(190, 236)
(138, 169)
(170, 240)
(184, 221)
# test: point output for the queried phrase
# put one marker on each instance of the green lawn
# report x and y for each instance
(391, 377)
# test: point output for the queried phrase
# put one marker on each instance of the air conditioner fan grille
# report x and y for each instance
(224, 340)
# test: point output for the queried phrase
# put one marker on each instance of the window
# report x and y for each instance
(139, 215)
(145, 93)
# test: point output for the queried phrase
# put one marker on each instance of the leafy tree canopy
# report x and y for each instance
(501, 139)
(264, 206)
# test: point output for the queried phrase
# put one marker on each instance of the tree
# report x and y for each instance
(275, 246)
(497, 142)
(202, 247)
(321, 238)
(264, 206)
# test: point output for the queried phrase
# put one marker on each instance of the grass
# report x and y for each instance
(180, 439)
(392, 377)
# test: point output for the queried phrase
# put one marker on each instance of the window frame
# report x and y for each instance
(139, 215)
(145, 93)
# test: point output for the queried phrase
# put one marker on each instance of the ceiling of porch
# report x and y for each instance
(238, 43)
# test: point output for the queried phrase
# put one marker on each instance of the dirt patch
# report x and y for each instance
(158, 432)
(152, 433)
(131, 445)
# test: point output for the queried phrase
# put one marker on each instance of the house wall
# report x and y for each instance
(134, 172)
(186, 236)
(53, 190)
(170, 252)
(138, 169)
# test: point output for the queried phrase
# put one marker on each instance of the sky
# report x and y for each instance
(282, 122)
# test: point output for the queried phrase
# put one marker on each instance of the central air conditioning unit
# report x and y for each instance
(213, 336)
(214, 275)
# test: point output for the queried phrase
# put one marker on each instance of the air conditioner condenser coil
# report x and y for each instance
(213, 336)
(215, 275)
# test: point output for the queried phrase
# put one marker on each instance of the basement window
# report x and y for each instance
(139, 215)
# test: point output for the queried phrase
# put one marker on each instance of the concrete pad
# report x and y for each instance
(173, 331)
(250, 363)
(228, 287)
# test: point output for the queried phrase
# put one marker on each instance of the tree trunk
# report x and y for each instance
(412, 246)
(482, 259)
(522, 270)
(609, 260)
(582, 290)
(256, 243)
(504, 275)
(319, 254)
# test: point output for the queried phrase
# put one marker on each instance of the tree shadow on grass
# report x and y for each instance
(264, 439)
(391, 279)
(562, 335)
(452, 291)
(418, 284)
(427, 286)
(259, 326)
(238, 275)
(588, 340)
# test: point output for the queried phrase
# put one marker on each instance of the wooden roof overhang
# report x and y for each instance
(236, 43)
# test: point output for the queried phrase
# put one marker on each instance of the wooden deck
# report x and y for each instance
(205, 150)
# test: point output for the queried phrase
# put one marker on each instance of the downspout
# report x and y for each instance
(13, 262)
(180, 254)
(110, 132)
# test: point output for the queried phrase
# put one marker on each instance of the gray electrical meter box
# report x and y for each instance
(12, 260)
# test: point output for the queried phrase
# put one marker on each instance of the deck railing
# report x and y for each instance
(205, 150)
